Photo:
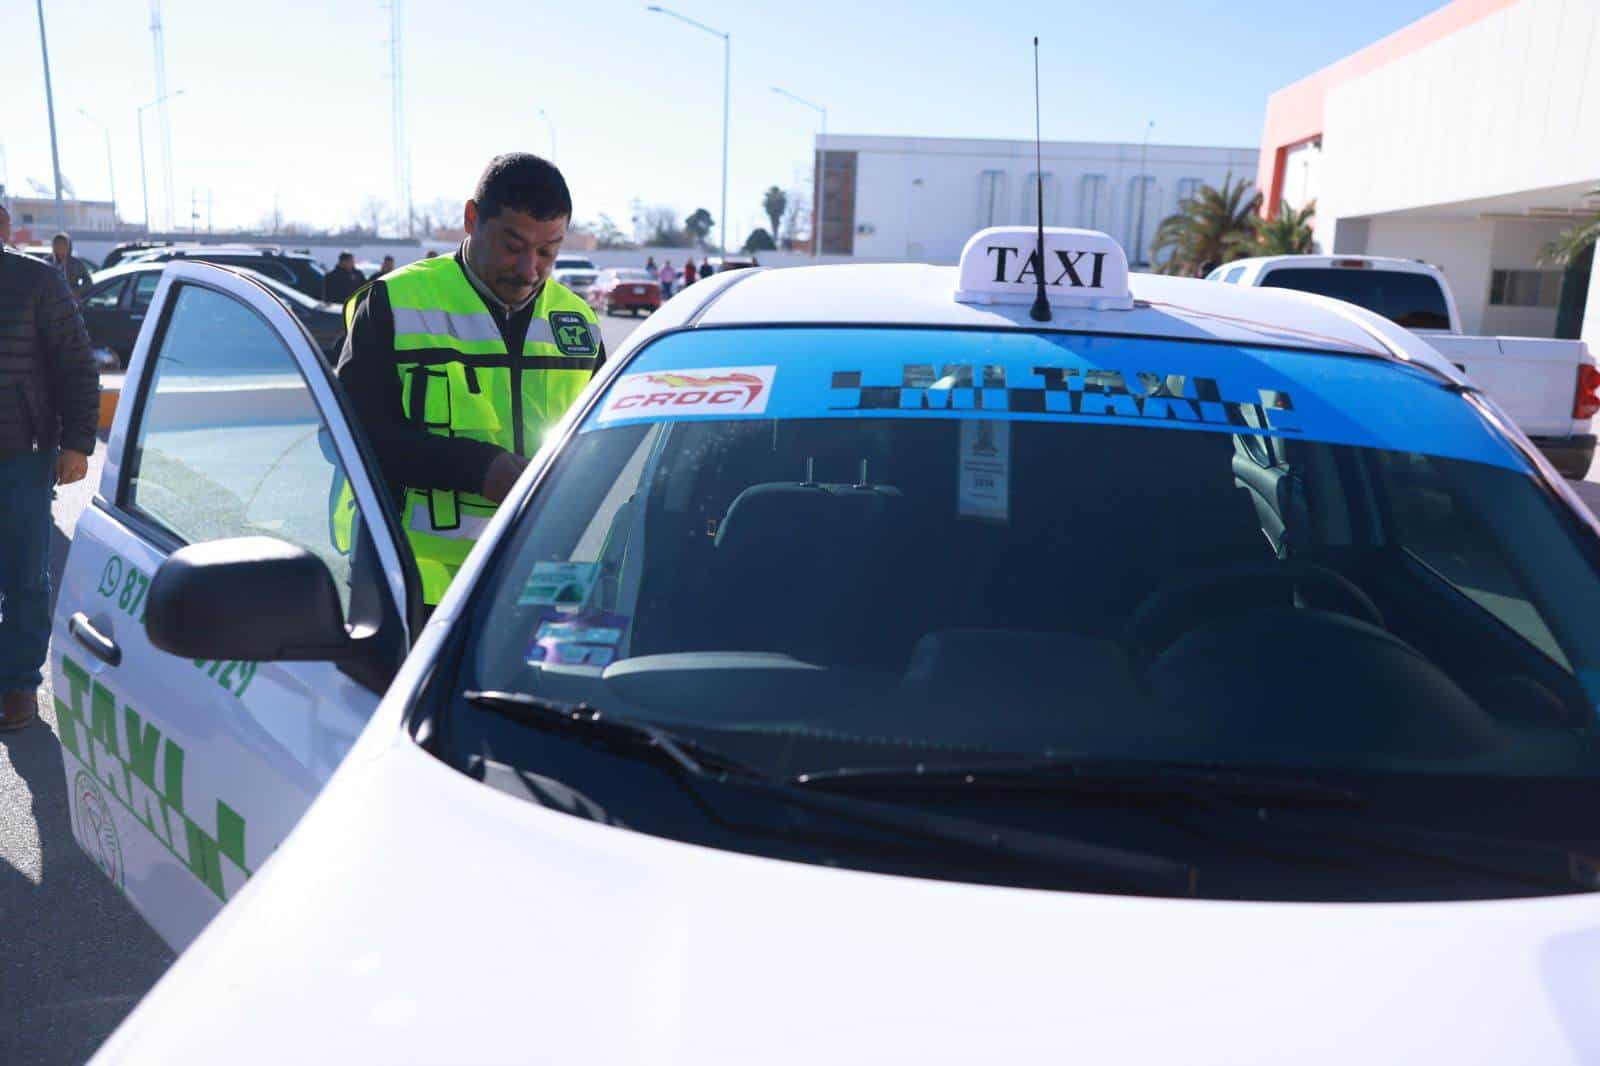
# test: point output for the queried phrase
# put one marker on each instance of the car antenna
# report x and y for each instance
(1040, 311)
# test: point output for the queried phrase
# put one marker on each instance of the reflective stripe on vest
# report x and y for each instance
(458, 380)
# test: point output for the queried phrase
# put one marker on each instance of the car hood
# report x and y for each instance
(417, 916)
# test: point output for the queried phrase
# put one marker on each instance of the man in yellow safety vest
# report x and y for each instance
(457, 365)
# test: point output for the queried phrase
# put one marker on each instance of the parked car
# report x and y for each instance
(300, 269)
(1548, 386)
(131, 249)
(731, 262)
(624, 289)
(579, 281)
(574, 262)
(115, 305)
(45, 254)
(865, 670)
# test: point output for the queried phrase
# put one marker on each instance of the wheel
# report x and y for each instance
(1191, 601)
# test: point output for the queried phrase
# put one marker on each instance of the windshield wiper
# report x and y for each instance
(1132, 870)
(1067, 773)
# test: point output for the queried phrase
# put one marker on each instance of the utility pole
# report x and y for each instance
(1144, 185)
(50, 106)
(397, 116)
(144, 181)
(158, 40)
(726, 60)
(111, 172)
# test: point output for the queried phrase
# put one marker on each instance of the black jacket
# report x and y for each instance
(49, 387)
(337, 286)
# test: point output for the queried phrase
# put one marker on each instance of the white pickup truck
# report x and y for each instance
(1551, 388)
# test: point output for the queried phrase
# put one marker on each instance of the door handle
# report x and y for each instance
(99, 645)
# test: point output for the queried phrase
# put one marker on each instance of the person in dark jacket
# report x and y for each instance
(343, 280)
(72, 270)
(49, 409)
(688, 272)
(706, 270)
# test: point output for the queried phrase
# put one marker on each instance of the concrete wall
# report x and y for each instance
(920, 198)
(1507, 104)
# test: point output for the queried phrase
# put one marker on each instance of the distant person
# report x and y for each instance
(343, 280)
(387, 266)
(688, 272)
(668, 276)
(706, 270)
(49, 409)
(650, 265)
(432, 253)
(71, 270)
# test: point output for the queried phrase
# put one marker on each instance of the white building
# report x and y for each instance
(33, 218)
(1469, 139)
(920, 198)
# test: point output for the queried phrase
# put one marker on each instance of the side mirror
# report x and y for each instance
(255, 599)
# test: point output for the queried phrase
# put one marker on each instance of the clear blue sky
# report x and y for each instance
(290, 98)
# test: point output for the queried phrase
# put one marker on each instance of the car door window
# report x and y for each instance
(230, 442)
(144, 290)
(107, 297)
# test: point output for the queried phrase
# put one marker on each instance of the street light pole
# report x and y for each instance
(726, 66)
(144, 182)
(50, 107)
(1138, 240)
(551, 126)
(111, 172)
(822, 170)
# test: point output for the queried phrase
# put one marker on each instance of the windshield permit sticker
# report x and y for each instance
(983, 474)
(712, 391)
(589, 638)
(557, 584)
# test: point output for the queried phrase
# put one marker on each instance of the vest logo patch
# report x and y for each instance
(572, 333)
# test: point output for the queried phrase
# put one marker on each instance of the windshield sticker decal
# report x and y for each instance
(1067, 391)
(552, 584)
(713, 391)
(1013, 375)
(983, 476)
(589, 638)
(142, 771)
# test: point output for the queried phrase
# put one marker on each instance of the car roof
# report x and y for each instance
(916, 295)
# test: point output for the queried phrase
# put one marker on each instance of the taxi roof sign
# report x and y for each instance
(1082, 268)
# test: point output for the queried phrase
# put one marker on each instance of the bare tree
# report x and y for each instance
(373, 213)
(795, 218)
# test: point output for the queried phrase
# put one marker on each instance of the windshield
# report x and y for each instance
(832, 548)
(1412, 300)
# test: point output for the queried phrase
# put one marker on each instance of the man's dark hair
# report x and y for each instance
(524, 182)
(346, 255)
(61, 237)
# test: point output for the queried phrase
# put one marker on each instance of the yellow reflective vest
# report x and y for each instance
(458, 380)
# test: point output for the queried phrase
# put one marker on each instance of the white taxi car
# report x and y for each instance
(879, 664)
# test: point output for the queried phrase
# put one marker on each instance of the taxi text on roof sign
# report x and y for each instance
(1081, 268)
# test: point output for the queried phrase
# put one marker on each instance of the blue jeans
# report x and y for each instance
(25, 484)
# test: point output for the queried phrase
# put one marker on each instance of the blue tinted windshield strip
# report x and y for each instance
(1014, 376)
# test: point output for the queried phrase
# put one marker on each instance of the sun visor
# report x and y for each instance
(1082, 268)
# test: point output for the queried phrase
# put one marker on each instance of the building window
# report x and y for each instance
(991, 197)
(1142, 208)
(1524, 288)
(1030, 198)
(1188, 188)
(1092, 213)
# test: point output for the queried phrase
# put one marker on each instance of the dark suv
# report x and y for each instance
(299, 270)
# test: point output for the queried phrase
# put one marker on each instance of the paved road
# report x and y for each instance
(74, 955)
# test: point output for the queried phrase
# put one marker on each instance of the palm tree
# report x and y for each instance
(1210, 228)
(1566, 247)
(1287, 234)
(774, 203)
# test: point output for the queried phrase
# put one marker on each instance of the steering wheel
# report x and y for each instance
(1184, 604)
